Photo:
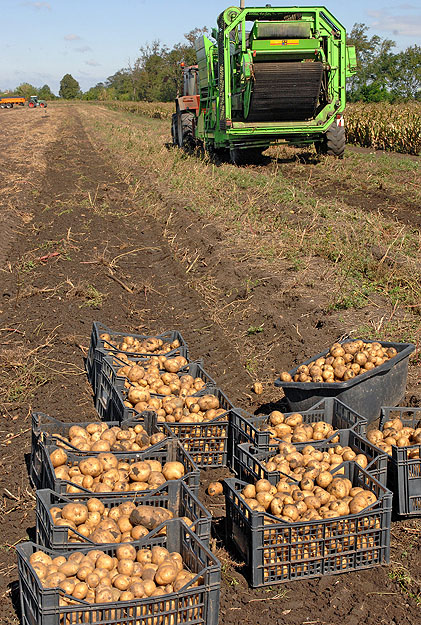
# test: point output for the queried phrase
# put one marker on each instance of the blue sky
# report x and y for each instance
(92, 39)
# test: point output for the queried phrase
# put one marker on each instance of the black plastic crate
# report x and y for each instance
(366, 393)
(197, 605)
(115, 409)
(99, 349)
(168, 450)
(175, 496)
(404, 473)
(206, 442)
(245, 428)
(45, 427)
(248, 463)
(276, 551)
(110, 379)
(112, 386)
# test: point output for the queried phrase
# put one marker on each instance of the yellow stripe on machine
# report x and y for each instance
(284, 42)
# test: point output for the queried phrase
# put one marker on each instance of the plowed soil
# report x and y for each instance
(78, 248)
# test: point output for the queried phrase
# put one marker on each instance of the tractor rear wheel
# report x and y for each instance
(333, 142)
(185, 137)
(174, 129)
(31, 105)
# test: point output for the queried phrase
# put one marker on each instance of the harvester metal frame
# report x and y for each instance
(215, 120)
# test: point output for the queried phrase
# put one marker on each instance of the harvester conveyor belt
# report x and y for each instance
(285, 91)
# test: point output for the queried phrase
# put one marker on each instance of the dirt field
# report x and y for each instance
(258, 268)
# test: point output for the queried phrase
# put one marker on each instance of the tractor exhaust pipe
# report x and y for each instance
(242, 4)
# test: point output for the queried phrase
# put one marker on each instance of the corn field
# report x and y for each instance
(382, 126)
(155, 110)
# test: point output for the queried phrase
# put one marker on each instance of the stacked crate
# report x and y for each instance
(188, 532)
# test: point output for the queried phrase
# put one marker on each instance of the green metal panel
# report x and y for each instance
(203, 46)
(351, 61)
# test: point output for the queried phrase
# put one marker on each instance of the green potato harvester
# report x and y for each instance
(272, 74)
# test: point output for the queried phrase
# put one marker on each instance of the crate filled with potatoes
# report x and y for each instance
(107, 342)
(399, 436)
(78, 520)
(93, 437)
(120, 472)
(364, 375)
(163, 578)
(320, 423)
(294, 529)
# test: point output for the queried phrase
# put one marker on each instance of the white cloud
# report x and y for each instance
(38, 5)
(72, 37)
(83, 49)
(398, 25)
(92, 63)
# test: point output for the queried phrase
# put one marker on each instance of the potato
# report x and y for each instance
(53, 580)
(41, 557)
(360, 502)
(173, 470)
(262, 486)
(58, 457)
(324, 479)
(149, 516)
(215, 488)
(166, 573)
(139, 472)
(78, 513)
(91, 466)
(159, 554)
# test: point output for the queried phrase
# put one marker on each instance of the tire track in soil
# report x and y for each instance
(162, 299)
(82, 208)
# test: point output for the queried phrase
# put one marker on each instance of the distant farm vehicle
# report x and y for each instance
(8, 103)
(35, 101)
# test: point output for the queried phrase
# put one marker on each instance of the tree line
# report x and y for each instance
(155, 74)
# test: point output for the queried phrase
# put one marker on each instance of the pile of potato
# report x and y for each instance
(397, 434)
(100, 578)
(292, 429)
(119, 524)
(172, 364)
(311, 463)
(151, 345)
(174, 409)
(141, 383)
(308, 500)
(106, 473)
(342, 363)
(99, 437)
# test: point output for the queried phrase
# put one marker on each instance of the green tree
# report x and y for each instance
(405, 78)
(156, 73)
(69, 88)
(45, 93)
(121, 84)
(374, 61)
(25, 90)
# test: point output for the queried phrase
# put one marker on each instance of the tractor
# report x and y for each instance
(34, 101)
